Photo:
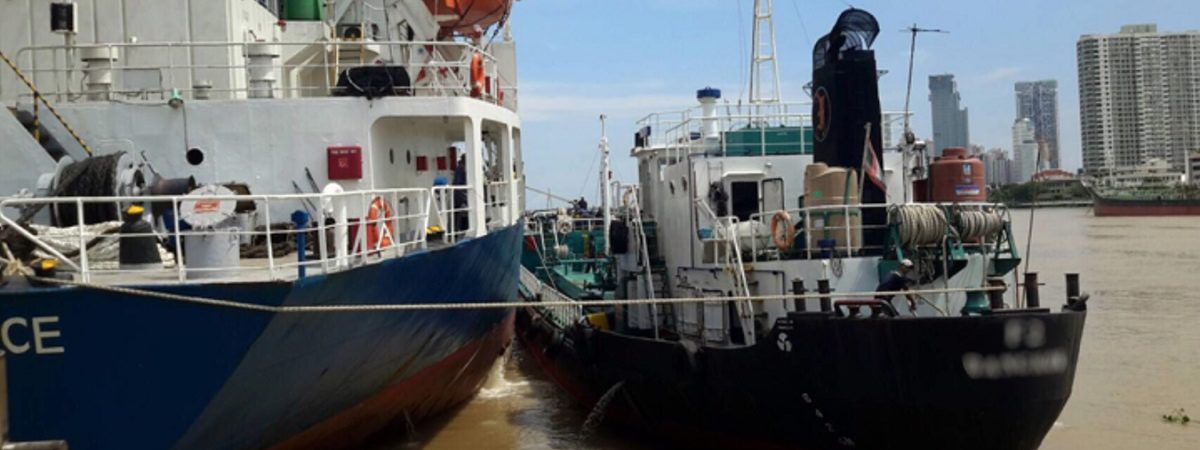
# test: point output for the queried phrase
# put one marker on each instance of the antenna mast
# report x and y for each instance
(605, 183)
(912, 51)
(763, 54)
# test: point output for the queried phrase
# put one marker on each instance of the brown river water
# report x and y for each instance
(1140, 357)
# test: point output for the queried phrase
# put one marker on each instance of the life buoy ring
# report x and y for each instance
(565, 225)
(477, 76)
(782, 236)
(381, 211)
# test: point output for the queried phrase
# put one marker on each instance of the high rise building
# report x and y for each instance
(1139, 98)
(997, 167)
(949, 118)
(1025, 149)
(1038, 101)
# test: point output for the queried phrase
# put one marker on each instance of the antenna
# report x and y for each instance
(605, 182)
(912, 50)
(762, 54)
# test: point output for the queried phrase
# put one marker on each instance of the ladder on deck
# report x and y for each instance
(644, 249)
(731, 257)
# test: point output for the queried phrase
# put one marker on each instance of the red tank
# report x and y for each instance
(957, 177)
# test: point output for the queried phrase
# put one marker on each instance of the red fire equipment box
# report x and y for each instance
(345, 163)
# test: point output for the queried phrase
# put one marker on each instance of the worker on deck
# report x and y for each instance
(896, 281)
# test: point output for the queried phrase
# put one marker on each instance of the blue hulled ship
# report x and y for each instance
(219, 228)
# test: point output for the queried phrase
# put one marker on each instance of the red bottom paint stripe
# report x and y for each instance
(436, 388)
(1110, 210)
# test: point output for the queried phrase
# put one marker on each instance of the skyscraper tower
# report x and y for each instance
(1038, 101)
(949, 119)
(1025, 151)
(1139, 97)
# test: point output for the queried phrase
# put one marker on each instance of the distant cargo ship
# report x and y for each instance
(1151, 189)
(1145, 204)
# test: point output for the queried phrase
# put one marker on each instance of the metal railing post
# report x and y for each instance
(270, 246)
(83, 257)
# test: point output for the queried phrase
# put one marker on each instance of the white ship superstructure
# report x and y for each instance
(229, 91)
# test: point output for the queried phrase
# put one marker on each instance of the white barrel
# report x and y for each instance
(212, 255)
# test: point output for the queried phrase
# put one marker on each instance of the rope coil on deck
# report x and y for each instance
(979, 224)
(475, 305)
(919, 224)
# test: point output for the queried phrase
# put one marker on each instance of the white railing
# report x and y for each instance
(226, 70)
(748, 130)
(498, 202)
(561, 313)
(363, 226)
(452, 208)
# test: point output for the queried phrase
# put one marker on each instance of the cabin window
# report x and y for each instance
(744, 198)
(772, 195)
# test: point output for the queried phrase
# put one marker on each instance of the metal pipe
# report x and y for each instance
(824, 290)
(300, 220)
(801, 305)
(1072, 288)
(1031, 290)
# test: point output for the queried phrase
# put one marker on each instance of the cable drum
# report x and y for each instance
(92, 177)
(919, 224)
(973, 225)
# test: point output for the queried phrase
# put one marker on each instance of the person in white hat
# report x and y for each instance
(896, 281)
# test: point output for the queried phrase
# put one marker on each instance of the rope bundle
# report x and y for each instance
(920, 224)
(979, 224)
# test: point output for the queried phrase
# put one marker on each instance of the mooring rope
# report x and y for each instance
(920, 224)
(478, 305)
(979, 224)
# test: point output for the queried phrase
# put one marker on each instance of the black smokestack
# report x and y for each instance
(845, 94)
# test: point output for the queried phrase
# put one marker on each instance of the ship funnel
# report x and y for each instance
(710, 126)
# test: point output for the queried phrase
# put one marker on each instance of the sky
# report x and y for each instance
(578, 59)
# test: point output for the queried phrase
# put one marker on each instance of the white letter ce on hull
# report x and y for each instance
(19, 335)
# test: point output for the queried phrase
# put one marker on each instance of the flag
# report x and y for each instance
(870, 164)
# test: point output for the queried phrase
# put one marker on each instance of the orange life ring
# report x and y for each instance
(381, 211)
(785, 240)
(477, 75)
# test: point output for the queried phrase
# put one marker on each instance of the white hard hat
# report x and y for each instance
(906, 263)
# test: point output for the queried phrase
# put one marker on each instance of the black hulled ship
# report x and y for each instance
(744, 274)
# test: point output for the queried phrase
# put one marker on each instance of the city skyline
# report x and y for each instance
(653, 66)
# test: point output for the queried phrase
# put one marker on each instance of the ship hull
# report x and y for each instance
(125, 371)
(992, 382)
(1109, 207)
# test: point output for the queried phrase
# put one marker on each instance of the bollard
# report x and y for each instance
(798, 290)
(996, 298)
(1072, 288)
(1031, 290)
(300, 220)
(826, 302)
